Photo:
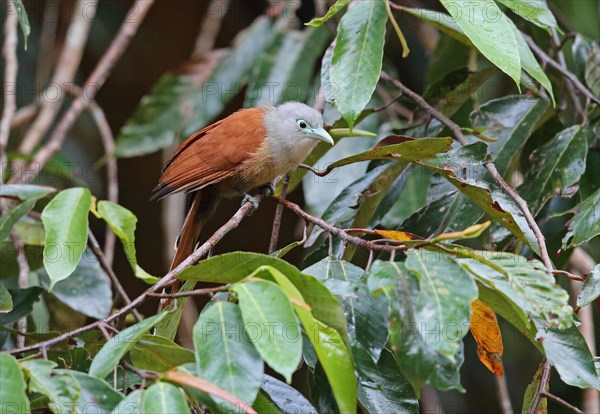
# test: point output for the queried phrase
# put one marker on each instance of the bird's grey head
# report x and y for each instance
(302, 120)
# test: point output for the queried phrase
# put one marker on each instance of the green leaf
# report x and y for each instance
(366, 315)
(532, 390)
(511, 121)
(535, 11)
(383, 388)
(156, 353)
(111, 353)
(568, 352)
(328, 344)
(409, 150)
(87, 290)
(285, 397)
(490, 31)
(163, 397)
(28, 195)
(441, 21)
(181, 105)
(225, 356)
(333, 10)
(285, 73)
(342, 210)
(62, 389)
(123, 223)
(22, 300)
(132, 404)
(590, 289)
(592, 71)
(357, 57)
(529, 63)
(65, 220)
(487, 195)
(443, 306)
(454, 100)
(524, 283)
(415, 358)
(235, 266)
(557, 168)
(23, 20)
(586, 222)
(170, 324)
(6, 302)
(12, 392)
(94, 393)
(271, 325)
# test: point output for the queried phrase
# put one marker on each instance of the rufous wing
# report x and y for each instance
(214, 153)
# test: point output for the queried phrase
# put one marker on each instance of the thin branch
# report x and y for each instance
(95, 246)
(332, 230)
(503, 395)
(64, 73)
(92, 85)
(278, 216)
(165, 281)
(569, 275)
(563, 70)
(9, 51)
(24, 115)
(491, 168)
(562, 402)
(543, 385)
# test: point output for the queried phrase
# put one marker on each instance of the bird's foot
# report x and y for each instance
(268, 189)
(252, 200)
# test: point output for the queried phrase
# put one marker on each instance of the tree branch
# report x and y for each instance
(91, 87)
(563, 70)
(491, 168)
(165, 281)
(9, 51)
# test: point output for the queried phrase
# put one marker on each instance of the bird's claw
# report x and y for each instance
(268, 189)
(252, 200)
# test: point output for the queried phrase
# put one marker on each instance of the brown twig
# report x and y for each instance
(491, 168)
(563, 70)
(9, 51)
(91, 87)
(64, 73)
(335, 231)
(24, 115)
(95, 246)
(543, 385)
(562, 402)
(569, 275)
(165, 281)
(278, 216)
(503, 395)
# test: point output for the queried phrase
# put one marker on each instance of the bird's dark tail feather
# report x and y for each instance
(204, 203)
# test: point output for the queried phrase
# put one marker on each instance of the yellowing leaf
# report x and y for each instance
(485, 330)
(468, 233)
(398, 235)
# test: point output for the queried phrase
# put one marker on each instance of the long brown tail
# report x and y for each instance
(203, 205)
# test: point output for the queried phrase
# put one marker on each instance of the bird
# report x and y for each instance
(238, 155)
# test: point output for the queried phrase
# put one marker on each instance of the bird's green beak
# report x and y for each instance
(321, 135)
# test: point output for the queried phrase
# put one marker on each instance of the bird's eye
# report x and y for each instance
(302, 123)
